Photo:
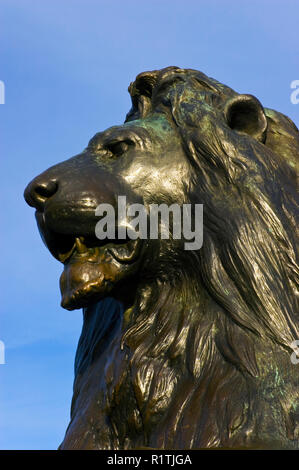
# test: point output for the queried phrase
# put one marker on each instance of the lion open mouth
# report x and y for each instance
(92, 267)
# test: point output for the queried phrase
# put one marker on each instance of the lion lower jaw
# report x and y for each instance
(91, 274)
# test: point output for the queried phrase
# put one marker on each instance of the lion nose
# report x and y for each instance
(39, 191)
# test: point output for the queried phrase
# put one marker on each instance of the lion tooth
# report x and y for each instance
(81, 248)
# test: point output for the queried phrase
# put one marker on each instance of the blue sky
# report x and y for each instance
(66, 65)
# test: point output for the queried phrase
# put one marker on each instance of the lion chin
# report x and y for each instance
(90, 274)
(182, 349)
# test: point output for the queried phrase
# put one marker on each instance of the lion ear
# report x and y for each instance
(245, 114)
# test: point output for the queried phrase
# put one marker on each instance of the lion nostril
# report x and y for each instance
(37, 192)
(46, 190)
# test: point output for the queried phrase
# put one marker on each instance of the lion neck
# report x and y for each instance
(160, 373)
(141, 353)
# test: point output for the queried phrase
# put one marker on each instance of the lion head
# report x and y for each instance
(182, 348)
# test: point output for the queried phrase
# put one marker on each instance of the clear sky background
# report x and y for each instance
(66, 65)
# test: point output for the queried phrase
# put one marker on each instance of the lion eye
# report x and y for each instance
(118, 148)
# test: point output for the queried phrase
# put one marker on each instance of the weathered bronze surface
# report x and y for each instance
(182, 349)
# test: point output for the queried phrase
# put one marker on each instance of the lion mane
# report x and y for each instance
(202, 359)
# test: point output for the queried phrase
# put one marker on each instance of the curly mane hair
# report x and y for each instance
(202, 358)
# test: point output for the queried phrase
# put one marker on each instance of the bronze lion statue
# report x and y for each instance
(182, 349)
